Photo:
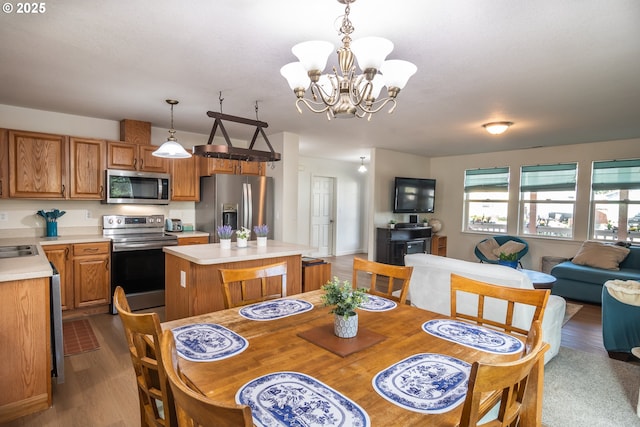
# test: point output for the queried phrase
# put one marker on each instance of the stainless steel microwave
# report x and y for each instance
(137, 187)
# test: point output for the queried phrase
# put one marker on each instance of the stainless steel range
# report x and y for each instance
(137, 260)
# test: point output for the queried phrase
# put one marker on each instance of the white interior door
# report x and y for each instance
(322, 215)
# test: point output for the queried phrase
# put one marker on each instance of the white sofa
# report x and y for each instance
(429, 289)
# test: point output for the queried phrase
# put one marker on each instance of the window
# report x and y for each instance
(615, 200)
(547, 199)
(486, 194)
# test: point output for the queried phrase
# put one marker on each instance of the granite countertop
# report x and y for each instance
(213, 254)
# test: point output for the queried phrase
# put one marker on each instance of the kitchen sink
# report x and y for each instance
(17, 251)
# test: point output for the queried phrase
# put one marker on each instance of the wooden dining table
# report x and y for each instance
(280, 345)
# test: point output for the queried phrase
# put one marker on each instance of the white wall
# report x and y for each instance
(351, 222)
(449, 173)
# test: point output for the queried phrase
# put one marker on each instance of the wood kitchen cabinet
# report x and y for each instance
(210, 167)
(185, 180)
(438, 245)
(135, 157)
(193, 240)
(60, 256)
(4, 163)
(88, 160)
(85, 278)
(38, 165)
(91, 274)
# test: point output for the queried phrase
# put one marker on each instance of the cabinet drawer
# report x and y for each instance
(80, 249)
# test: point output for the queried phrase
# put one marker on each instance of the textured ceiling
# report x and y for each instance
(565, 71)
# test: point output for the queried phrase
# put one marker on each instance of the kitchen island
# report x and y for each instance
(192, 281)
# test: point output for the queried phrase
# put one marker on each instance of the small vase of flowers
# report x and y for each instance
(508, 259)
(261, 234)
(242, 235)
(345, 300)
(224, 234)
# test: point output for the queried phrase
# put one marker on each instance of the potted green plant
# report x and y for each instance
(392, 223)
(508, 259)
(344, 300)
(242, 235)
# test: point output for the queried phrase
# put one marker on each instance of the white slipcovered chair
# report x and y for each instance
(429, 289)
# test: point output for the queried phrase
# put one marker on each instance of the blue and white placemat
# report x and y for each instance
(205, 342)
(428, 383)
(295, 399)
(275, 309)
(474, 336)
(376, 303)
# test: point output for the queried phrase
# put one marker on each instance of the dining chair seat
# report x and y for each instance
(244, 286)
(384, 280)
(193, 408)
(142, 332)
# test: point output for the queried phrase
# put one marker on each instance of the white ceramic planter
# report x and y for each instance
(262, 241)
(225, 243)
(345, 327)
(242, 243)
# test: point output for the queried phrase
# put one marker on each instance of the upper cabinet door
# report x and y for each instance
(185, 180)
(38, 166)
(151, 163)
(87, 162)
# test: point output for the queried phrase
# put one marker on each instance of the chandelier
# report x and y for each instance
(344, 93)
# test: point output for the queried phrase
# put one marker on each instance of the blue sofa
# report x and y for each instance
(584, 283)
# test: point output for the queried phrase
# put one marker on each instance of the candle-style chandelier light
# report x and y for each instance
(346, 94)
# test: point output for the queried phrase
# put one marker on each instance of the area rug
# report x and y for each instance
(586, 389)
(570, 311)
(78, 337)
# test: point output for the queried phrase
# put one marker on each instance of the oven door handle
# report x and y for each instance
(126, 247)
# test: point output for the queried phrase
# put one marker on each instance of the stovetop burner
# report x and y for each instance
(136, 232)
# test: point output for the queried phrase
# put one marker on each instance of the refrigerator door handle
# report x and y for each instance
(250, 206)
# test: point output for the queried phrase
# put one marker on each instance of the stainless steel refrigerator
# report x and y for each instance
(236, 200)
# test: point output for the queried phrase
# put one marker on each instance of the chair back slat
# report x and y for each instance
(397, 278)
(533, 297)
(249, 282)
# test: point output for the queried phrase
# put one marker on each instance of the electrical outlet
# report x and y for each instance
(87, 214)
(183, 279)
(4, 216)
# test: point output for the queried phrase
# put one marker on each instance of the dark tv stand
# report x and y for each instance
(392, 244)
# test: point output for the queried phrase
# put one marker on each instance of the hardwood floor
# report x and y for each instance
(99, 388)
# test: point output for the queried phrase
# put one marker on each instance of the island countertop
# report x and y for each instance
(211, 253)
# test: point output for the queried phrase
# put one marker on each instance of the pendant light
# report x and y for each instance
(362, 168)
(171, 149)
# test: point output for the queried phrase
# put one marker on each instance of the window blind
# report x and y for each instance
(558, 177)
(616, 175)
(486, 180)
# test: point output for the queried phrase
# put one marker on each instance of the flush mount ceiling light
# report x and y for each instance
(228, 151)
(171, 149)
(497, 128)
(347, 94)
(362, 168)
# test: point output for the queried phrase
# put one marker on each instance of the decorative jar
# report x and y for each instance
(345, 327)
(241, 243)
(225, 243)
(262, 241)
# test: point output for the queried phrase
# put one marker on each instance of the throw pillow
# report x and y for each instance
(509, 247)
(486, 248)
(600, 255)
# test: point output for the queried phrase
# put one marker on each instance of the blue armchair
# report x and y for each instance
(620, 326)
(501, 240)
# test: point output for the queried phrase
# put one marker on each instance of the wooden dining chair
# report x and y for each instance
(142, 332)
(385, 277)
(193, 408)
(533, 297)
(509, 381)
(252, 282)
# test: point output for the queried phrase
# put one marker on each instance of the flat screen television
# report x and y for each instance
(414, 195)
